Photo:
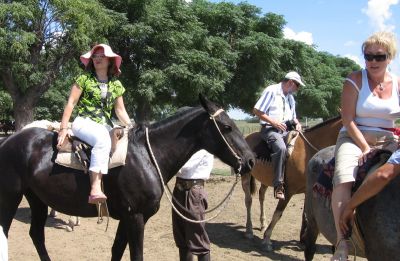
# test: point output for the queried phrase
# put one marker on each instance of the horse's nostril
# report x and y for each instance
(251, 163)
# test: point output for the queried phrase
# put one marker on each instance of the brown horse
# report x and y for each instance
(306, 145)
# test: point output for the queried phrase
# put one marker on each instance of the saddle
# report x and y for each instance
(263, 152)
(82, 150)
(66, 153)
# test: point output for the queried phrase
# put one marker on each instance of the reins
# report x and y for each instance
(170, 195)
(308, 142)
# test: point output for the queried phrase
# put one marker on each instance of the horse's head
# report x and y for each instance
(223, 139)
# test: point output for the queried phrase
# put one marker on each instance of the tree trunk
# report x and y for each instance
(23, 112)
(143, 111)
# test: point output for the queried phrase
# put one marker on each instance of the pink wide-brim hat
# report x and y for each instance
(108, 52)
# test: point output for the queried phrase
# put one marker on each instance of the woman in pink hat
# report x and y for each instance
(96, 93)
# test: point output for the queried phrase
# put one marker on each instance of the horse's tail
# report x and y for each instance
(253, 185)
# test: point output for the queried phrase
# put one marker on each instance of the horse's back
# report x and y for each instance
(23, 149)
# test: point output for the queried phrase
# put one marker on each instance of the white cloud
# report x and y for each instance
(350, 43)
(355, 58)
(378, 12)
(304, 37)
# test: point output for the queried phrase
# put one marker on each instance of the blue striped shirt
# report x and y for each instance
(275, 104)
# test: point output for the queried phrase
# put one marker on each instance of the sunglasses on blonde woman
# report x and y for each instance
(376, 57)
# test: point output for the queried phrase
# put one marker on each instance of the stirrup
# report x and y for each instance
(102, 210)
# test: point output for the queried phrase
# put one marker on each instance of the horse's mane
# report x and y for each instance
(319, 125)
(171, 119)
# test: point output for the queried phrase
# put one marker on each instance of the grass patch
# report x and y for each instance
(221, 172)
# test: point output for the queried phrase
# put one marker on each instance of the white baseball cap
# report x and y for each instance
(295, 77)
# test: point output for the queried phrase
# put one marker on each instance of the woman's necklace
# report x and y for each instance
(381, 85)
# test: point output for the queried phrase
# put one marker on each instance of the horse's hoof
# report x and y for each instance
(69, 228)
(266, 246)
(53, 213)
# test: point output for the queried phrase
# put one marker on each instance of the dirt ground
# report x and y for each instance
(89, 241)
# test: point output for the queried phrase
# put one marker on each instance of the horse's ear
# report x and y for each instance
(208, 105)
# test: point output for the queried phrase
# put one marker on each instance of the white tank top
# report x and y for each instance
(373, 111)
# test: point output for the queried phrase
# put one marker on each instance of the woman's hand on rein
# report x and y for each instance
(61, 136)
(363, 157)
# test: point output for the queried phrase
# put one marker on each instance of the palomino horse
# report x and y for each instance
(134, 191)
(306, 145)
(376, 236)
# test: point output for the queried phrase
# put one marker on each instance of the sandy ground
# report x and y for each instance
(89, 241)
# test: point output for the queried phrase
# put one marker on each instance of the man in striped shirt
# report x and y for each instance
(276, 109)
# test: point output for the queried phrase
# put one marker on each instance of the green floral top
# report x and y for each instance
(91, 104)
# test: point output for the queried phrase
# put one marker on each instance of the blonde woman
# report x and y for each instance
(368, 97)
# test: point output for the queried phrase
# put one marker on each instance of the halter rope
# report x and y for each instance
(166, 187)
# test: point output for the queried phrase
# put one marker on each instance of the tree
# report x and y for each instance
(37, 38)
(167, 53)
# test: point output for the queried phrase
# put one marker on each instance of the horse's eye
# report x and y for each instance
(227, 128)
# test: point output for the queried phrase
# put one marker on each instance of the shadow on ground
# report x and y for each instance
(24, 215)
(231, 236)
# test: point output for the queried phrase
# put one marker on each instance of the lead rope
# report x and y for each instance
(166, 188)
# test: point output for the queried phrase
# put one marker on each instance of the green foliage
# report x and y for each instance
(171, 50)
(5, 105)
(37, 38)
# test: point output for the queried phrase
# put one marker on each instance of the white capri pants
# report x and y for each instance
(347, 152)
(97, 136)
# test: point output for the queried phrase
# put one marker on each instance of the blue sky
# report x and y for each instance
(335, 26)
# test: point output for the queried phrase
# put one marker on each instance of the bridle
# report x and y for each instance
(226, 199)
(212, 117)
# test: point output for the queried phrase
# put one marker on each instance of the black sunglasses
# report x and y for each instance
(377, 57)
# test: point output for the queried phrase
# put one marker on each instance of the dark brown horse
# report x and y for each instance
(134, 191)
(306, 145)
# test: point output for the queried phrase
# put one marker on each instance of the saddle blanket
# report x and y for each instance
(323, 186)
(68, 159)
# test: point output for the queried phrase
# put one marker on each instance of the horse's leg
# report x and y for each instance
(261, 197)
(72, 222)
(130, 229)
(120, 242)
(309, 236)
(8, 208)
(248, 201)
(304, 222)
(38, 221)
(135, 230)
(266, 243)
